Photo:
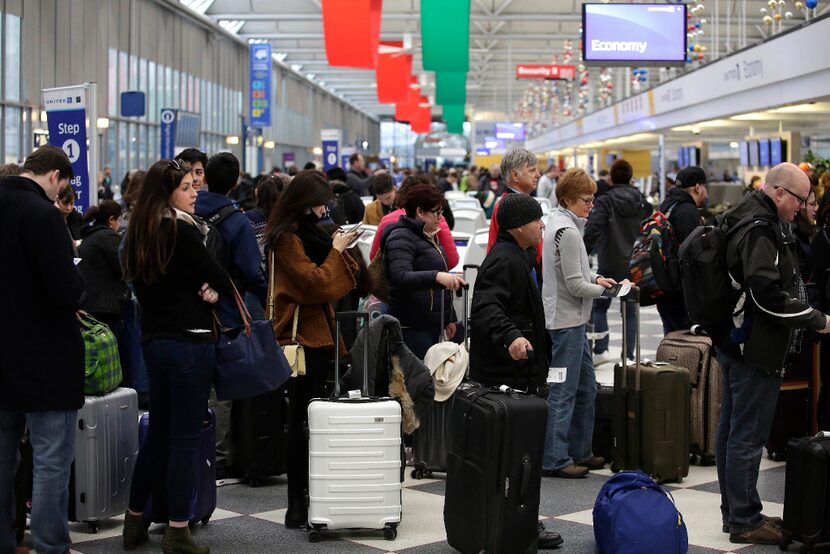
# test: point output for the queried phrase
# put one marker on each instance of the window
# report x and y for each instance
(12, 134)
(112, 82)
(152, 93)
(12, 57)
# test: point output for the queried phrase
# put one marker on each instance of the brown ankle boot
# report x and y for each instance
(177, 540)
(135, 533)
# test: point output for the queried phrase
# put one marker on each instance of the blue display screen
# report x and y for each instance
(763, 151)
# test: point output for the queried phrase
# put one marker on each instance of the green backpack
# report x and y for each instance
(102, 366)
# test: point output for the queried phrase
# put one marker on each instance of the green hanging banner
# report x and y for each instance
(445, 35)
(454, 118)
(450, 87)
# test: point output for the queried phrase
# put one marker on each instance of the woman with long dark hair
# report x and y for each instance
(177, 282)
(311, 271)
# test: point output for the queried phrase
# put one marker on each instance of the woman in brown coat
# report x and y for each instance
(311, 271)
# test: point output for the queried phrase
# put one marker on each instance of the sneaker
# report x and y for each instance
(548, 540)
(572, 471)
(777, 521)
(766, 533)
(594, 462)
(602, 358)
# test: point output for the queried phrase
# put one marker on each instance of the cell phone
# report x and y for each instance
(354, 240)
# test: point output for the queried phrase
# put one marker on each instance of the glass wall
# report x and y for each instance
(398, 139)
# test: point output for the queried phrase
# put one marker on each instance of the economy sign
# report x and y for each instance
(66, 118)
(545, 71)
(634, 34)
(260, 100)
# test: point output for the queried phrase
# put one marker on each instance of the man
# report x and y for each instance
(610, 232)
(509, 316)
(384, 189)
(356, 177)
(602, 182)
(762, 258)
(681, 205)
(241, 259)
(41, 350)
(197, 160)
(448, 183)
(492, 181)
(347, 207)
(469, 180)
(521, 172)
(547, 184)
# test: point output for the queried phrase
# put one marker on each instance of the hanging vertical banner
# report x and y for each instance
(168, 133)
(66, 117)
(393, 72)
(331, 147)
(351, 30)
(260, 100)
(445, 35)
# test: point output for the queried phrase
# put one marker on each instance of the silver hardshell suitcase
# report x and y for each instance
(355, 466)
(106, 446)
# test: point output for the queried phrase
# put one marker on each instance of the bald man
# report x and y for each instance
(762, 258)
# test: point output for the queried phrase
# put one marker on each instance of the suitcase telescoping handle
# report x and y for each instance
(466, 294)
(633, 297)
(357, 316)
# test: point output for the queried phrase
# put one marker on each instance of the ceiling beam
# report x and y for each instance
(474, 17)
(396, 36)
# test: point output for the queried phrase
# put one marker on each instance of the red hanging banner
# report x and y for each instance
(351, 29)
(393, 73)
(405, 111)
(422, 117)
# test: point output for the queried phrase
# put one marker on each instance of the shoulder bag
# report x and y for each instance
(293, 351)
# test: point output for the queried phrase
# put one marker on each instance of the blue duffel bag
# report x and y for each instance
(635, 515)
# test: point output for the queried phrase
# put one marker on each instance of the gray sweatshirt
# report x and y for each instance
(568, 286)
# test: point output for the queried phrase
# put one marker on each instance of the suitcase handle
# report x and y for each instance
(633, 297)
(525, 479)
(351, 315)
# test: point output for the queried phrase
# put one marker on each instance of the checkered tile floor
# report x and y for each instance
(249, 520)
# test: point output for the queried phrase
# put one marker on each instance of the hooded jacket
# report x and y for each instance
(507, 305)
(101, 270)
(348, 207)
(613, 226)
(684, 216)
(763, 259)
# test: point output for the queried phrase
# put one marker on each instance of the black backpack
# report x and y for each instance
(708, 290)
(213, 240)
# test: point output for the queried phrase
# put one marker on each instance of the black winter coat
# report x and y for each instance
(101, 270)
(412, 262)
(349, 207)
(41, 350)
(684, 216)
(507, 304)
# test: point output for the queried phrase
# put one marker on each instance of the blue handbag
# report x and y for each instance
(249, 362)
(635, 515)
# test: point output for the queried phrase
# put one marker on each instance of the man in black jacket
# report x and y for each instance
(508, 341)
(610, 232)
(356, 178)
(761, 257)
(41, 350)
(681, 206)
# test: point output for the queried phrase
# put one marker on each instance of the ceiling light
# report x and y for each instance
(810, 107)
(257, 40)
(280, 56)
(232, 26)
(232, 139)
(733, 144)
(317, 151)
(754, 116)
(198, 6)
(270, 144)
(102, 123)
(311, 76)
(296, 66)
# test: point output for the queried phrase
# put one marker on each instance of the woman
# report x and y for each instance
(567, 292)
(66, 204)
(311, 272)
(416, 266)
(177, 282)
(804, 231)
(129, 193)
(100, 266)
(444, 232)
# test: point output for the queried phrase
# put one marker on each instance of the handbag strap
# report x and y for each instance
(243, 312)
(272, 288)
(294, 326)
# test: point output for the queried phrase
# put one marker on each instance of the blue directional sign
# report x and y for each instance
(260, 96)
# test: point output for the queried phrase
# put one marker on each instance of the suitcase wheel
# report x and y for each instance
(254, 482)
(314, 535)
(783, 545)
(390, 534)
(417, 473)
(205, 520)
(93, 526)
(614, 467)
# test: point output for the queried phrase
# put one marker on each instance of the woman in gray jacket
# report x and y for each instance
(567, 292)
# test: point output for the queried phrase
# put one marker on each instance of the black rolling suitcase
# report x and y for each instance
(603, 438)
(259, 436)
(494, 470)
(807, 492)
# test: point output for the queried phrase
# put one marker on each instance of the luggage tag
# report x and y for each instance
(557, 374)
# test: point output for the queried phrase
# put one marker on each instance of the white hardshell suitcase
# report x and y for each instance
(355, 461)
(106, 447)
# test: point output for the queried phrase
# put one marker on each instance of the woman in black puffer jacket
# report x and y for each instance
(417, 268)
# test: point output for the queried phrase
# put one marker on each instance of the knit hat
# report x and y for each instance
(516, 209)
(690, 176)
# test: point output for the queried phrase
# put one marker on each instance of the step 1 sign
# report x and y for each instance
(331, 147)
(66, 117)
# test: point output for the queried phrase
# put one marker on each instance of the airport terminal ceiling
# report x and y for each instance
(503, 33)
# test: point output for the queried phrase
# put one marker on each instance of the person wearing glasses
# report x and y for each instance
(682, 205)
(178, 283)
(804, 231)
(568, 289)
(762, 258)
(417, 269)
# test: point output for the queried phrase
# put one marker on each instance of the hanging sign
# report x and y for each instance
(66, 112)
(331, 146)
(260, 100)
(545, 71)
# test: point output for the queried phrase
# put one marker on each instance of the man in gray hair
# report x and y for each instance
(520, 170)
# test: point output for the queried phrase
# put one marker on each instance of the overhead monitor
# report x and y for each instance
(763, 151)
(510, 131)
(777, 151)
(744, 150)
(634, 35)
(692, 156)
(681, 158)
(754, 154)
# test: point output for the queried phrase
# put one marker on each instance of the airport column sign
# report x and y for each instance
(331, 147)
(66, 117)
(168, 133)
(260, 99)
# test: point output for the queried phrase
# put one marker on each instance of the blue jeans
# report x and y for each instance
(749, 400)
(571, 403)
(419, 340)
(599, 317)
(180, 376)
(52, 435)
